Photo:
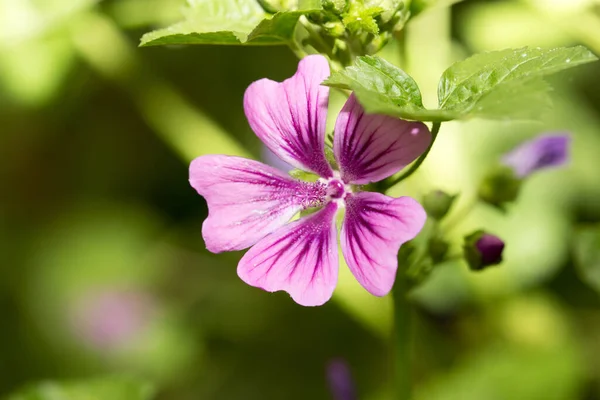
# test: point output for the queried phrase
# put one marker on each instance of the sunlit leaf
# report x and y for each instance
(228, 22)
(384, 88)
(505, 84)
(587, 255)
(113, 388)
(466, 82)
(520, 100)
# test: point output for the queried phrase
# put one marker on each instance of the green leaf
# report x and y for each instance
(587, 255)
(520, 100)
(505, 84)
(113, 388)
(227, 22)
(384, 88)
(466, 82)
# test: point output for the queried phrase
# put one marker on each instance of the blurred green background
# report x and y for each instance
(104, 271)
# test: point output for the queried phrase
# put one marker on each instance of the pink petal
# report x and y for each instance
(374, 228)
(300, 258)
(372, 147)
(289, 117)
(247, 200)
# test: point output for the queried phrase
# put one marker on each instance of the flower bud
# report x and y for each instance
(335, 29)
(437, 204)
(499, 187)
(437, 248)
(482, 250)
(334, 6)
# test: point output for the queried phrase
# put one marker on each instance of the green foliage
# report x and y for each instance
(229, 22)
(467, 82)
(496, 85)
(587, 255)
(113, 388)
(361, 18)
(382, 87)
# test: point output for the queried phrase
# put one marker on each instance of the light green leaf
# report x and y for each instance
(505, 84)
(466, 82)
(587, 255)
(227, 22)
(384, 88)
(515, 100)
(113, 388)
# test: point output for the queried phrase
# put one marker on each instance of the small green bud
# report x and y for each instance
(335, 29)
(437, 248)
(334, 6)
(359, 18)
(482, 250)
(437, 204)
(420, 270)
(416, 264)
(499, 187)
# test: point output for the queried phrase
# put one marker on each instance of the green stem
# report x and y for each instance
(297, 49)
(318, 41)
(402, 339)
(268, 7)
(455, 218)
(413, 168)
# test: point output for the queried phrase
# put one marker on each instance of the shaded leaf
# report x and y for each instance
(227, 22)
(587, 255)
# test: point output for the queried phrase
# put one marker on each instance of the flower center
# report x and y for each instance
(335, 189)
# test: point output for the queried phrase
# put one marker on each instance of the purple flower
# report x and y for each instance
(544, 151)
(340, 380)
(250, 203)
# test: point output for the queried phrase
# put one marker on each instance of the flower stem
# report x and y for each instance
(401, 337)
(458, 216)
(413, 168)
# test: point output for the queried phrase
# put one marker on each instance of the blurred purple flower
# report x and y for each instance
(544, 151)
(112, 318)
(340, 380)
(251, 204)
